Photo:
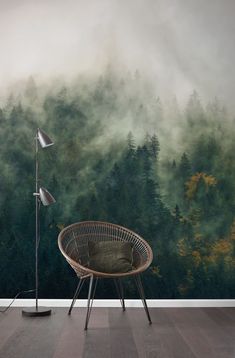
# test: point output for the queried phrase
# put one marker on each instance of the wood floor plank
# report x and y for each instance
(122, 343)
(216, 333)
(191, 332)
(97, 343)
(204, 335)
(222, 316)
(223, 336)
(35, 337)
(70, 342)
(168, 341)
(174, 344)
(229, 312)
(97, 337)
(148, 343)
(99, 318)
(175, 333)
(10, 320)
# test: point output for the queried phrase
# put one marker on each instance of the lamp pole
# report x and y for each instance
(41, 195)
(36, 219)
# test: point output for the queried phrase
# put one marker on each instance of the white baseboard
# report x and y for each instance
(116, 303)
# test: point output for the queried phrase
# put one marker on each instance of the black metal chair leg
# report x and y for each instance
(142, 295)
(122, 294)
(89, 300)
(78, 289)
(119, 293)
(93, 295)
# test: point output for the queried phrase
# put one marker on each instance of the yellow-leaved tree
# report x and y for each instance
(192, 185)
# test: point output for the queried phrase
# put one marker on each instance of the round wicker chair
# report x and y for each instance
(73, 244)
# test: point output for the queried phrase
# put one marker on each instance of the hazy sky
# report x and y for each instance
(180, 44)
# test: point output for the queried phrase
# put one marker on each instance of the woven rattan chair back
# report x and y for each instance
(73, 244)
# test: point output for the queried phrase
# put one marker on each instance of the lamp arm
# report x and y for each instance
(36, 163)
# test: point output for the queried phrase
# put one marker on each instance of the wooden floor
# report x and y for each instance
(175, 332)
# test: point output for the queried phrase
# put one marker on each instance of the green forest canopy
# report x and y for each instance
(120, 155)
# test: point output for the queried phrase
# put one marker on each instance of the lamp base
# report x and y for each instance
(33, 312)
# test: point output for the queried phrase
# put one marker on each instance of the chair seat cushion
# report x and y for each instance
(110, 256)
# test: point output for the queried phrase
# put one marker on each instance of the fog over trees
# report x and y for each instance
(138, 96)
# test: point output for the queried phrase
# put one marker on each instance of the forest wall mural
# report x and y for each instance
(140, 107)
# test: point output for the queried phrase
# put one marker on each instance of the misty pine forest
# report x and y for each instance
(125, 156)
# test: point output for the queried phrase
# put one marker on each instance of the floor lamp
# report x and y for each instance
(41, 196)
